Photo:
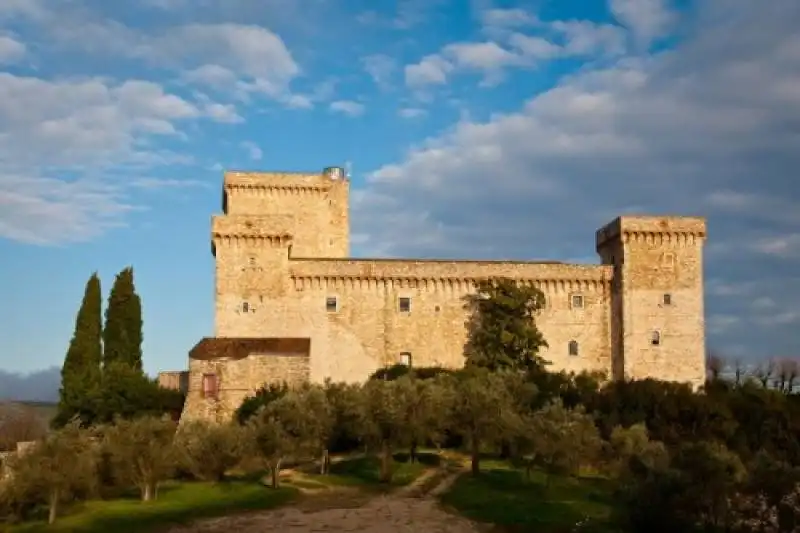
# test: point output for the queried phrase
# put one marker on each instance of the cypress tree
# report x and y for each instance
(80, 374)
(122, 335)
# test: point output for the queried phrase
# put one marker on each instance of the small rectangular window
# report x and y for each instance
(405, 305)
(331, 304)
(577, 301)
(245, 307)
(655, 339)
(405, 358)
(252, 260)
(210, 389)
(667, 299)
(573, 348)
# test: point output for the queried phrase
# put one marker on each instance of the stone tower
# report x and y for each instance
(657, 326)
(268, 218)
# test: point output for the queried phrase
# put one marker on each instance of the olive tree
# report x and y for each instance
(209, 450)
(633, 443)
(561, 440)
(343, 400)
(286, 428)
(483, 409)
(142, 452)
(60, 466)
(384, 413)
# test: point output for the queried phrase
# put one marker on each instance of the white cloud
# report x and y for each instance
(666, 116)
(298, 101)
(787, 245)
(486, 57)
(11, 50)
(347, 107)
(647, 19)
(700, 129)
(212, 76)
(585, 38)
(229, 57)
(557, 39)
(719, 324)
(254, 152)
(507, 18)
(534, 47)
(380, 67)
(411, 112)
(78, 131)
(250, 50)
(782, 209)
(44, 211)
(223, 113)
(431, 70)
(154, 184)
(30, 9)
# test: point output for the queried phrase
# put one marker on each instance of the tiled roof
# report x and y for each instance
(241, 347)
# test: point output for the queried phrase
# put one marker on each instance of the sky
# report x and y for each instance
(473, 128)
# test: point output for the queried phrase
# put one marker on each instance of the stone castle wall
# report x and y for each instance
(281, 258)
(238, 379)
(369, 330)
(174, 379)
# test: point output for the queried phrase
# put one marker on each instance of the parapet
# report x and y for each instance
(275, 229)
(280, 181)
(412, 272)
(625, 227)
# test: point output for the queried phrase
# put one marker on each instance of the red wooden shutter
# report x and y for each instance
(210, 386)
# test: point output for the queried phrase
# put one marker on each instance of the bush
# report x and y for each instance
(208, 451)
(263, 397)
(142, 452)
(391, 373)
(127, 393)
(57, 469)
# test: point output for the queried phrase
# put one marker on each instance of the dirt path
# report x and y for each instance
(411, 509)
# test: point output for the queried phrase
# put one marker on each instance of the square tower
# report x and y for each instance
(658, 322)
(267, 218)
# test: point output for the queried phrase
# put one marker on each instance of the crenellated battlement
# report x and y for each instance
(445, 274)
(654, 230)
(251, 231)
(268, 225)
(278, 179)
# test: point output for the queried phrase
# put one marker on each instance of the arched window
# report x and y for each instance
(655, 340)
(573, 348)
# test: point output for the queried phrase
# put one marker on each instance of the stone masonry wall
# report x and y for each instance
(368, 330)
(659, 261)
(317, 204)
(237, 379)
(177, 380)
(281, 252)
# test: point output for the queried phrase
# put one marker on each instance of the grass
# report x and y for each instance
(503, 496)
(177, 503)
(364, 472)
(184, 502)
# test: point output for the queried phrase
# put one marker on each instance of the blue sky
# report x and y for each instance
(474, 129)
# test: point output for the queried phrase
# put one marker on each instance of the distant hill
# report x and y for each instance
(41, 386)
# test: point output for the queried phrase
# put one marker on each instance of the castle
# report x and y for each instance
(291, 305)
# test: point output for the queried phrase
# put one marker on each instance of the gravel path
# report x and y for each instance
(405, 510)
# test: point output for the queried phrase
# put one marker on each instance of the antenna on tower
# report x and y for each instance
(348, 169)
